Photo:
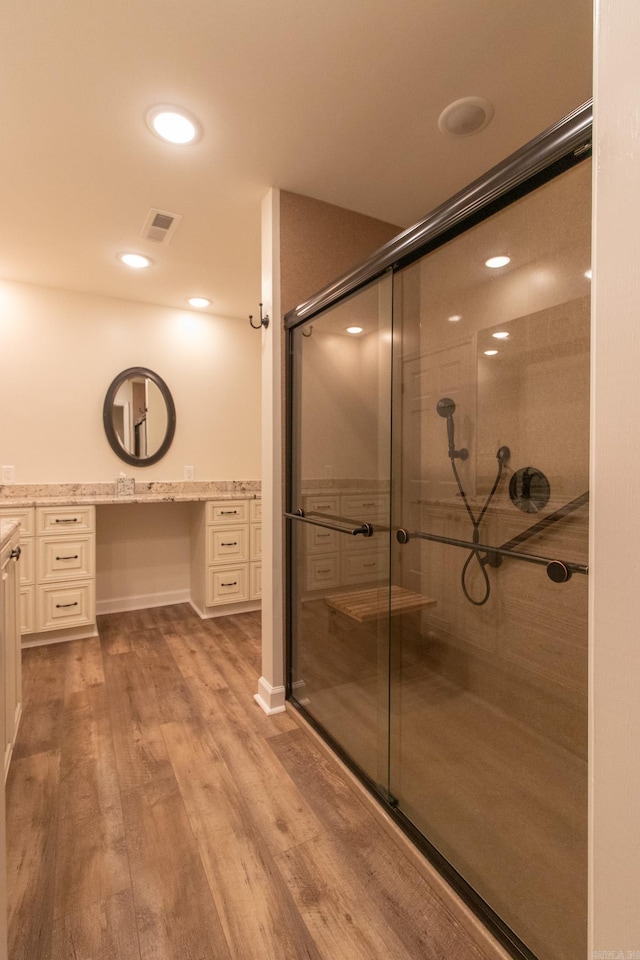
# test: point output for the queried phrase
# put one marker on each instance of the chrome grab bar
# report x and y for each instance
(557, 570)
(365, 529)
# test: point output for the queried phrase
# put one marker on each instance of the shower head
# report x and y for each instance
(446, 408)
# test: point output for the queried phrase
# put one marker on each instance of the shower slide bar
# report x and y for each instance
(342, 526)
(557, 570)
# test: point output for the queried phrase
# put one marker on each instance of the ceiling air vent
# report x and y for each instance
(160, 226)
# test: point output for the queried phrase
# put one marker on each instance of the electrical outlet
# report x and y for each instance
(8, 474)
(188, 473)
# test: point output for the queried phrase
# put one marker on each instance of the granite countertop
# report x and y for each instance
(7, 529)
(85, 494)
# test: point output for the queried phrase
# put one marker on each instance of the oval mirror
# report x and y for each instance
(139, 416)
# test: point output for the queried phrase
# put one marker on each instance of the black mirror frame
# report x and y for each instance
(107, 417)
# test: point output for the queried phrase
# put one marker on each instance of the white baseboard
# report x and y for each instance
(271, 699)
(142, 601)
(46, 638)
(226, 609)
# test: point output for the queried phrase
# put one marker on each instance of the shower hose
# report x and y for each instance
(501, 457)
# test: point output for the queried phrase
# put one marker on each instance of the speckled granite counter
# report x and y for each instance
(7, 529)
(79, 494)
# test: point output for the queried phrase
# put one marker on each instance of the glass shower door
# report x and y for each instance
(338, 519)
(488, 728)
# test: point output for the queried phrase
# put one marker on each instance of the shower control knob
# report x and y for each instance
(402, 535)
(558, 572)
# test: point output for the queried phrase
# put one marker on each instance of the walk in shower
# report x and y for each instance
(437, 511)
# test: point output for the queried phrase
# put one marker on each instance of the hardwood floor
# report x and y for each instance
(155, 813)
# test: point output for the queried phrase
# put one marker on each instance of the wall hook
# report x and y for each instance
(264, 321)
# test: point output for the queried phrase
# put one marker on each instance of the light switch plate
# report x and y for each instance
(188, 473)
(8, 474)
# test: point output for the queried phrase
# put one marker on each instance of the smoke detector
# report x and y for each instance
(160, 226)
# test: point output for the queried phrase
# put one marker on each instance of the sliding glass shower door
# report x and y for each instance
(339, 510)
(438, 540)
(488, 701)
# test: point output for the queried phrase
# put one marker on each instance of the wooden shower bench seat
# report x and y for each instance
(372, 604)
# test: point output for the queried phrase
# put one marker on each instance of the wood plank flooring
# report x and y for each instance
(155, 813)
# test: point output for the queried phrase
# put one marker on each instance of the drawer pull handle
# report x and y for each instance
(74, 557)
(227, 513)
(60, 605)
(70, 520)
(368, 564)
(15, 553)
(326, 570)
(234, 544)
(323, 536)
(234, 584)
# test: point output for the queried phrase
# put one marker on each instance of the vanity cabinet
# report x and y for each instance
(335, 560)
(226, 555)
(26, 517)
(65, 567)
(10, 648)
(57, 571)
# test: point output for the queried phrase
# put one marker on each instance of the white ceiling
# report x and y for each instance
(334, 99)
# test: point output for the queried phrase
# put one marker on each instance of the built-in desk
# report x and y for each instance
(76, 539)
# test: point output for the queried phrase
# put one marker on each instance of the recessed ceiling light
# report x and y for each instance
(173, 124)
(495, 262)
(500, 335)
(354, 329)
(490, 353)
(200, 302)
(455, 318)
(587, 273)
(135, 260)
(467, 116)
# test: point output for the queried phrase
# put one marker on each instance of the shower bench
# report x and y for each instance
(373, 604)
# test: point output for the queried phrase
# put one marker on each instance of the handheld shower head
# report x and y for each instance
(445, 407)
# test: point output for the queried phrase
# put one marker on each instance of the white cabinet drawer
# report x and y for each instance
(26, 516)
(27, 561)
(321, 540)
(27, 608)
(358, 568)
(227, 511)
(64, 605)
(322, 572)
(255, 511)
(365, 507)
(321, 505)
(255, 576)
(65, 558)
(360, 544)
(229, 544)
(228, 586)
(256, 541)
(63, 520)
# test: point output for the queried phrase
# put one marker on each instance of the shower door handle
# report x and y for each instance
(365, 529)
(557, 570)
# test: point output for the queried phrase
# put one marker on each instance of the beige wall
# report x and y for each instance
(61, 350)
(615, 598)
(319, 242)
(305, 244)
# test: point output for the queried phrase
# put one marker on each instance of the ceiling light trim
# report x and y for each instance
(187, 127)
(135, 261)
